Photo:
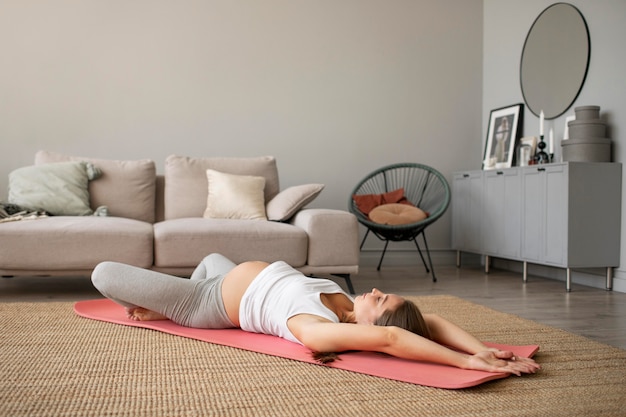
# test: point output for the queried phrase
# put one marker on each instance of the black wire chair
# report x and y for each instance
(423, 186)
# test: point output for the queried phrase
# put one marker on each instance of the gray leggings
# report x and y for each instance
(195, 302)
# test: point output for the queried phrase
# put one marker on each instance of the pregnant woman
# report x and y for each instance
(278, 300)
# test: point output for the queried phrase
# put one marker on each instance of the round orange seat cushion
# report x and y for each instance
(395, 214)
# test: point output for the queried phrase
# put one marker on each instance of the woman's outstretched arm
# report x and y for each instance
(324, 336)
(449, 334)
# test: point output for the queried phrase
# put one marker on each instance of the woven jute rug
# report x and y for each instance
(54, 363)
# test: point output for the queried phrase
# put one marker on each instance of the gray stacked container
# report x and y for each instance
(587, 137)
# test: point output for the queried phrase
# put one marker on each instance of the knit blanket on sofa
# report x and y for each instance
(11, 212)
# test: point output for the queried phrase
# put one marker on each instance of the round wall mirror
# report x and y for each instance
(555, 60)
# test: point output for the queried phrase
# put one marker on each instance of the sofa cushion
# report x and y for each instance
(289, 201)
(235, 196)
(186, 184)
(126, 187)
(61, 188)
(74, 243)
(185, 242)
(396, 214)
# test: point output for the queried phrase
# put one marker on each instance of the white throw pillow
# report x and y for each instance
(235, 196)
(289, 201)
(59, 188)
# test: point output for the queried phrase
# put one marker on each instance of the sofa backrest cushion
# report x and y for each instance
(186, 184)
(126, 187)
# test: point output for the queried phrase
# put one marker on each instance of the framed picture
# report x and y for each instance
(505, 128)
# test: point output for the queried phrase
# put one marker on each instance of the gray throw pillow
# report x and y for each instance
(288, 202)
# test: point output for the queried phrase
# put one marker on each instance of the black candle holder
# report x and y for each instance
(542, 156)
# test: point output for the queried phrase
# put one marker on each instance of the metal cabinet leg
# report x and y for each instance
(525, 273)
(568, 280)
(486, 264)
(609, 278)
(458, 259)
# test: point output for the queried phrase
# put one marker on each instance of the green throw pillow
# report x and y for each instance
(60, 188)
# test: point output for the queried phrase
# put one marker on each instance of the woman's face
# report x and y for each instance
(370, 306)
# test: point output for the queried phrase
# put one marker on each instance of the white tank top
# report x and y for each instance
(280, 292)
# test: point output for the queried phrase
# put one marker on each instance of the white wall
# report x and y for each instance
(506, 23)
(333, 89)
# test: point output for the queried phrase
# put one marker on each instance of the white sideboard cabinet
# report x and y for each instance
(566, 215)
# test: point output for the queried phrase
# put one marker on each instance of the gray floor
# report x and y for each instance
(594, 313)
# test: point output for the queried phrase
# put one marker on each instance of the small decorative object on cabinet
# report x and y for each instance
(565, 215)
(587, 141)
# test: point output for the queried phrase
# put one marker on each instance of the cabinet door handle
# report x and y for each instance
(541, 169)
(465, 175)
(499, 173)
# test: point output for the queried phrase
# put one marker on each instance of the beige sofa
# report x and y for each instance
(170, 222)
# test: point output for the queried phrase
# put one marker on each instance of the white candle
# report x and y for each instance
(541, 117)
(551, 140)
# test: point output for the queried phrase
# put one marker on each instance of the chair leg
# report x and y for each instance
(419, 250)
(430, 261)
(382, 255)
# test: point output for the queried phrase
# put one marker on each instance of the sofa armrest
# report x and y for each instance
(333, 236)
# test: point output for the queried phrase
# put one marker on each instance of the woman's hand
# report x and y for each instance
(502, 361)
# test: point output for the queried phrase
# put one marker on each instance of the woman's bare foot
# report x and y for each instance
(143, 314)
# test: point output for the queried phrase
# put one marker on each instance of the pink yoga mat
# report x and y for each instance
(371, 363)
